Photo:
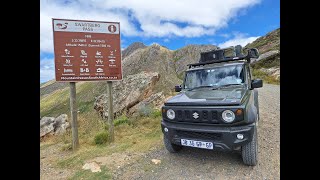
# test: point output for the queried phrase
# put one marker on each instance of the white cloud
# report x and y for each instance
(166, 40)
(144, 18)
(76, 10)
(239, 39)
(46, 70)
(225, 35)
(188, 18)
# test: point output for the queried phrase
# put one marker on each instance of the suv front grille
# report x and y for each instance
(200, 135)
(197, 116)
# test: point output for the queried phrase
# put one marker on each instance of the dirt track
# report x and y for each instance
(192, 163)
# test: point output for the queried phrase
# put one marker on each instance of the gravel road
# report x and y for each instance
(192, 163)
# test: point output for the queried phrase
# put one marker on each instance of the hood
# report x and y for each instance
(207, 96)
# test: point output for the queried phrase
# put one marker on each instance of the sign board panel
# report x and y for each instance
(86, 50)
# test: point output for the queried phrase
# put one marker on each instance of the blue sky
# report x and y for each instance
(173, 24)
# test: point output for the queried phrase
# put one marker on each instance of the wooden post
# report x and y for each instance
(74, 119)
(110, 111)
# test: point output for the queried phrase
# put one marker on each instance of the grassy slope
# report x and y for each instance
(269, 42)
(57, 102)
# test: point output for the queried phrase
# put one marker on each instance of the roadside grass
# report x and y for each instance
(136, 134)
(45, 145)
(132, 134)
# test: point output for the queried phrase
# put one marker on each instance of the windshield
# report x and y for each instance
(214, 77)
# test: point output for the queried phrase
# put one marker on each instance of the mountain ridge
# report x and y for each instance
(171, 64)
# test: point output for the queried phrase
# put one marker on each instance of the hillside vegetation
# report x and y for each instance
(267, 66)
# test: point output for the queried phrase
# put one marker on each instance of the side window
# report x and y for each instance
(248, 76)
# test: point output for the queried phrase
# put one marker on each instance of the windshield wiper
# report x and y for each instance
(226, 85)
(200, 87)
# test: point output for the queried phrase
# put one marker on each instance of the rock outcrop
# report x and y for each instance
(274, 71)
(127, 93)
(54, 126)
(155, 100)
(266, 55)
(46, 126)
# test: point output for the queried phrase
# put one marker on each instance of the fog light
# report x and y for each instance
(166, 129)
(240, 136)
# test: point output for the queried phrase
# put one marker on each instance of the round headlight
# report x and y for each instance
(171, 114)
(228, 116)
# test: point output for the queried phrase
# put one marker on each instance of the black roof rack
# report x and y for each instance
(218, 55)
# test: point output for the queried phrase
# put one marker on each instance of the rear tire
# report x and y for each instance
(250, 151)
(172, 148)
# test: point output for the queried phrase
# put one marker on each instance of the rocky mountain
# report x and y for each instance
(188, 55)
(130, 49)
(169, 64)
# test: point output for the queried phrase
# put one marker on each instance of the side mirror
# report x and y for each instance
(177, 88)
(256, 83)
(253, 53)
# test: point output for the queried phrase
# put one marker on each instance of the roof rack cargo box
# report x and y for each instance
(219, 55)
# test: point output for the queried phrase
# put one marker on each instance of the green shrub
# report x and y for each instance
(145, 110)
(156, 113)
(66, 147)
(149, 111)
(121, 120)
(101, 138)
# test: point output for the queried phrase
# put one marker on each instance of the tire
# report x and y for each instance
(250, 151)
(172, 148)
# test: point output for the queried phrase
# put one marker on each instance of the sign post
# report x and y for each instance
(110, 111)
(74, 118)
(87, 51)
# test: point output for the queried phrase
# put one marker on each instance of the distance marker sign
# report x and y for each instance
(86, 50)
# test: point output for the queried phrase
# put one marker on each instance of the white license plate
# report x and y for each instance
(197, 144)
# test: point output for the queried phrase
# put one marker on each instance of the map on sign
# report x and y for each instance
(86, 50)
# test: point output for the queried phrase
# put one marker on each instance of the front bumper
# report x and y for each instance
(223, 138)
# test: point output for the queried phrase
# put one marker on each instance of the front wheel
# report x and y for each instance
(173, 148)
(250, 150)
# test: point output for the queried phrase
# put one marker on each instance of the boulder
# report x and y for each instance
(155, 100)
(92, 166)
(156, 161)
(46, 126)
(61, 124)
(54, 126)
(266, 55)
